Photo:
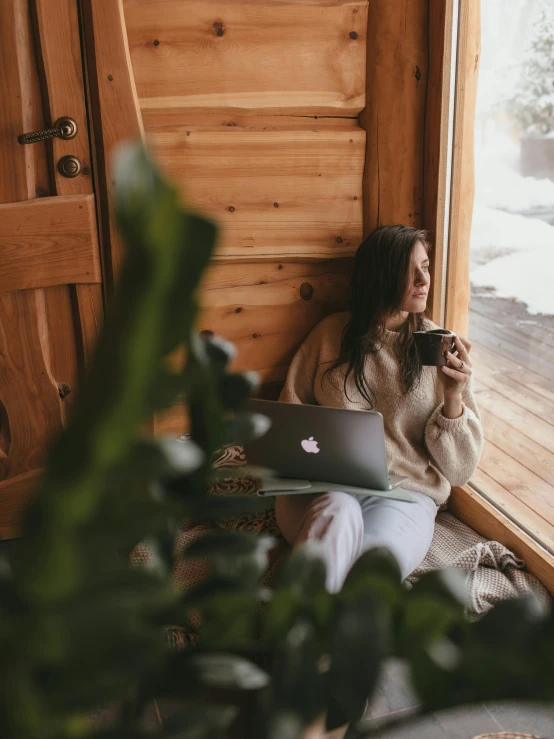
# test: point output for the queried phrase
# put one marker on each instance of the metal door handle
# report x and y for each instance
(64, 128)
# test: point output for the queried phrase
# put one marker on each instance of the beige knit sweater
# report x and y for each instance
(432, 451)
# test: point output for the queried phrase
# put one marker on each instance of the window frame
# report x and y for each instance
(451, 218)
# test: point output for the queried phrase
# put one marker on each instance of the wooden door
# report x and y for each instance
(50, 274)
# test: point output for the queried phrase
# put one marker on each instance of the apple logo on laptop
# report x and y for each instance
(310, 446)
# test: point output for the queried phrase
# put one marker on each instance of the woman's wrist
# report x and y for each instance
(453, 406)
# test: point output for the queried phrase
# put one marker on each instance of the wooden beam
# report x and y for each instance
(437, 113)
(115, 110)
(48, 241)
(394, 119)
(475, 511)
(463, 176)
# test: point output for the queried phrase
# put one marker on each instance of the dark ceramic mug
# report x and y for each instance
(433, 345)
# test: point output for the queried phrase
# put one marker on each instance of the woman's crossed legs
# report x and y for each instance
(347, 526)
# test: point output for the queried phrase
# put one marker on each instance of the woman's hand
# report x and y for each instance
(454, 377)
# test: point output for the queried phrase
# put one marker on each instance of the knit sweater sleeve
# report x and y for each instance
(299, 386)
(455, 444)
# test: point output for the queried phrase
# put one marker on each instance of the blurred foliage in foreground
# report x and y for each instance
(81, 629)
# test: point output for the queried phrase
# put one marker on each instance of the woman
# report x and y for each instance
(366, 359)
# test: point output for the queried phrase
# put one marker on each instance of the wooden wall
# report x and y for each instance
(298, 125)
(252, 109)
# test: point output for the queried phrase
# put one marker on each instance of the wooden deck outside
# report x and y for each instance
(513, 359)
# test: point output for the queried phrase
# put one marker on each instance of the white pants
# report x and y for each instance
(349, 525)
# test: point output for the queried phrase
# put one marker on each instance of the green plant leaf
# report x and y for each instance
(304, 571)
(357, 650)
(229, 671)
(218, 351)
(236, 387)
(246, 426)
(198, 722)
(164, 457)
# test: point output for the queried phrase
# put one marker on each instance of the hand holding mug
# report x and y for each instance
(455, 375)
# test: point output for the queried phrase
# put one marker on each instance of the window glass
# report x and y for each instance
(512, 261)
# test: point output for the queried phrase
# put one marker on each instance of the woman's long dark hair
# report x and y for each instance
(382, 271)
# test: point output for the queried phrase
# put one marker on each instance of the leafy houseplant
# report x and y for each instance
(81, 628)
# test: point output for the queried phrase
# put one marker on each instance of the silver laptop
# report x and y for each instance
(315, 449)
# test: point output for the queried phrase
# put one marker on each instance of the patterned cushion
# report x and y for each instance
(234, 456)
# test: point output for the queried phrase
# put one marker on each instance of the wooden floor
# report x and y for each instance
(513, 359)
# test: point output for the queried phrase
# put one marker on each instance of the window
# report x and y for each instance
(511, 321)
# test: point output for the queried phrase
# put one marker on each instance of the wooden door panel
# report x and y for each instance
(64, 355)
(61, 57)
(50, 291)
(31, 403)
(50, 241)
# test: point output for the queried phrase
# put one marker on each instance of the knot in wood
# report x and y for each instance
(417, 73)
(339, 239)
(306, 291)
(275, 205)
(63, 390)
(219, 28)
(353, 35)
(231, 209)
(156, 42)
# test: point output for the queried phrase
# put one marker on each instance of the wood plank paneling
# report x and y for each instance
(279, 192)
(48, 241)
(287, 57)
(260, 308)
(170, 119)
(397, 69)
